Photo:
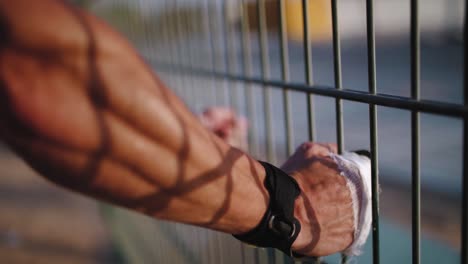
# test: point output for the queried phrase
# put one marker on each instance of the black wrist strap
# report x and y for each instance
(278, 227)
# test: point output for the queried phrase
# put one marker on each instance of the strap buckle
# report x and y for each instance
(281, 227)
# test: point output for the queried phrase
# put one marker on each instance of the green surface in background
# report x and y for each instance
(141, 238)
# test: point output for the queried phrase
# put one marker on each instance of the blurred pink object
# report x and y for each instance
(226, 124)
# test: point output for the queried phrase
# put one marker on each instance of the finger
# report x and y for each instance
(214, 118)
(331, 147)
(318, 149)
(305, 146)
(219, 113)
(242, 124)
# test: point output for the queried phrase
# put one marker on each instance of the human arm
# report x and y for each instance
(86, 112)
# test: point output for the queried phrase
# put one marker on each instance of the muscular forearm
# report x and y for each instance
(81, 107)
(86, 112)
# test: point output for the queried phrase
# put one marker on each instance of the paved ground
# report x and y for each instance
(42, 223)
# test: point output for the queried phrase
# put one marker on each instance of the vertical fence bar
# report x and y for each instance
(250, 99)
(217, 91)
(284, 55)
(464, 238)
(169, 33)
(162, 30)
(230, 64)
(337, 71)
(338, 85)
(464, 244)
(415, 123)
(229, 55)
(211, 48)
(194, 81)
(208, 252)
(247, 70)
(265, 68)
(178, 36)
(189, 88)
(144, 27)
(129, 32)
(165, 36)
(187, 84)
(175, 51)
(308, 76)
(165, 45)
(308, 68)
(373, 131)
(247, 65)
(175, 55)
(219, 98)
(285, 76)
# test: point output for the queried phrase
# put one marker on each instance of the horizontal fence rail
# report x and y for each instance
(427, 106)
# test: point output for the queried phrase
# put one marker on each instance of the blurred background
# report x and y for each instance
(41, 223)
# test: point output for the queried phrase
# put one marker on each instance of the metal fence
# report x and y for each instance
(226, 75)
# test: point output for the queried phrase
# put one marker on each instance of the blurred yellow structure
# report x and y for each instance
(319, 18)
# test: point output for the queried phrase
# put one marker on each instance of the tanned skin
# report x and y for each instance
(82, 108)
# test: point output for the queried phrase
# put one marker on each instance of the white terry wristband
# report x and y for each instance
(357, 171)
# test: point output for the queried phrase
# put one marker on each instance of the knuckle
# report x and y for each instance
(305, 147)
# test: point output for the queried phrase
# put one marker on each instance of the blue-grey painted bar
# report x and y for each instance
(187, 85)
(285, 77)
(337, 72)
(338, 82)
(247, 72)
(247, 65)
(173, 50)
(230, 55)
(308, 68)
(217, 91)
(415, 128)
(373, 131)
(265, 69)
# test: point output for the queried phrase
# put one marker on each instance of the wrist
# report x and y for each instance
(255, 199)
(308, 236)
(278, 227)
(304, 237)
